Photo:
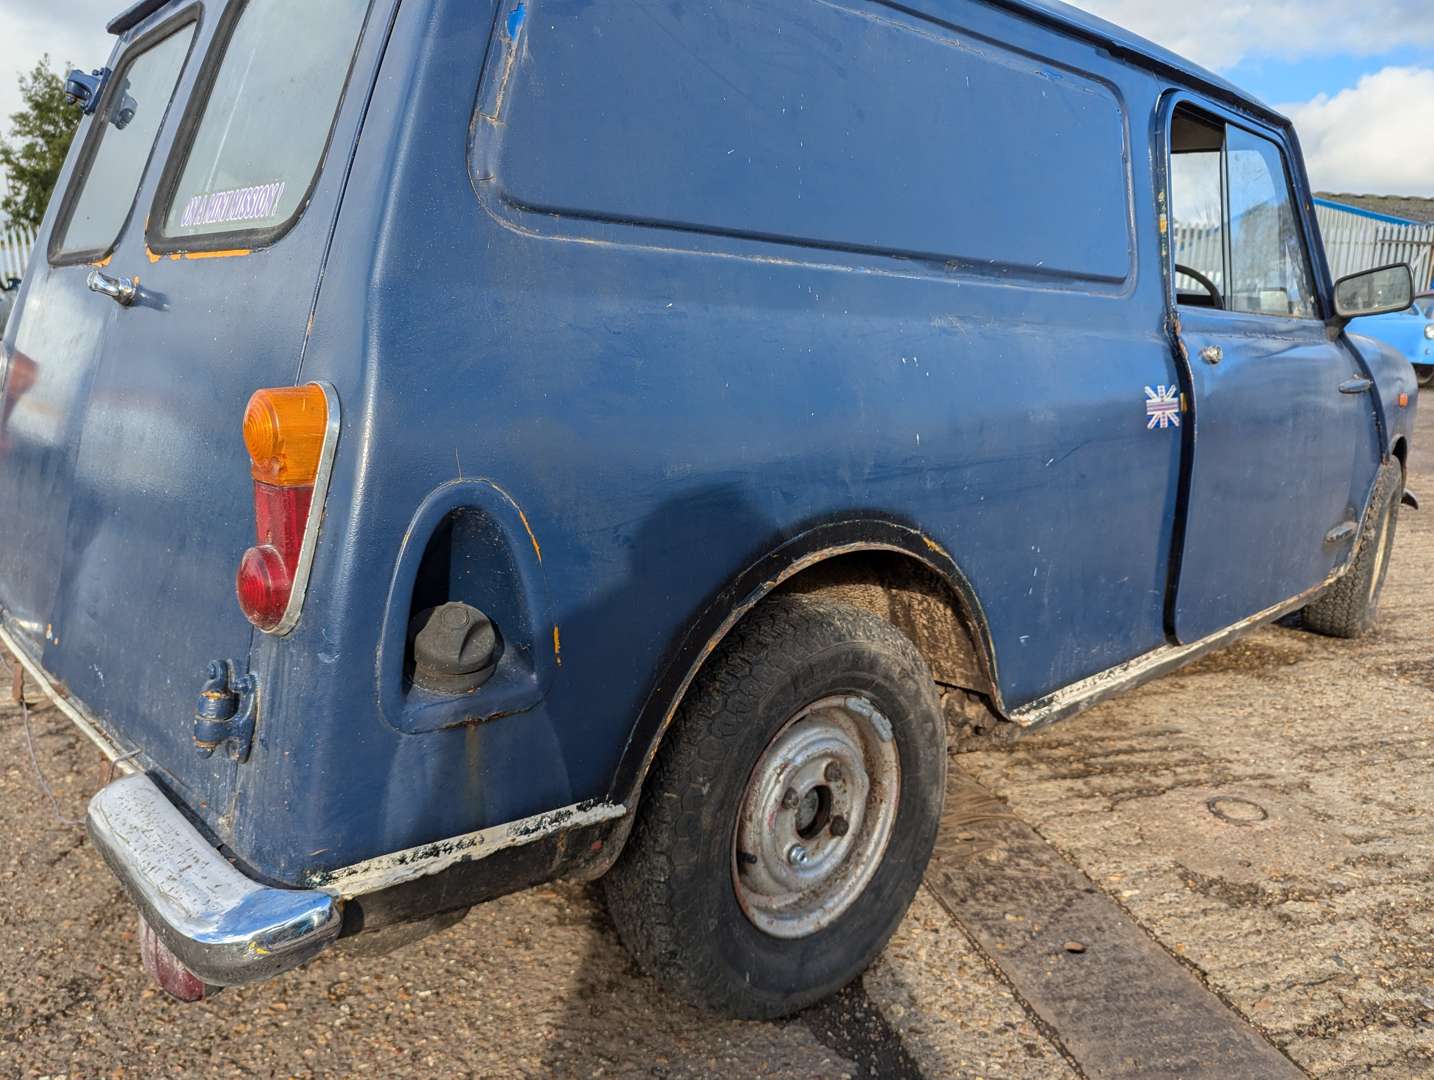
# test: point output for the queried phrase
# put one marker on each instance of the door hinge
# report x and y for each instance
(85, 90)
(227, 708)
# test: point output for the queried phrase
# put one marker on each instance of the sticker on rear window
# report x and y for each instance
(237, 204)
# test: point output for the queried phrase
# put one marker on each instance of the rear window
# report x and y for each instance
(129, 117)
(256, 147)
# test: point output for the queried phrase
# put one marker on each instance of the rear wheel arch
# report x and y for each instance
(893, 570)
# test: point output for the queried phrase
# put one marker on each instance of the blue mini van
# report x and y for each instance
(453, 444)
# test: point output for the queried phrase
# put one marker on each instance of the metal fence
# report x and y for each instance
(1355, 242)
(15, 244)
(1352, 242)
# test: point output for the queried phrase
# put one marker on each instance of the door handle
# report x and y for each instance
(122, 292)
(1212, 354)
(1357, 385)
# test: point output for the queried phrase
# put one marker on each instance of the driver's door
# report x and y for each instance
(1283, 440)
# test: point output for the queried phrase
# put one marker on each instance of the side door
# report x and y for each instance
(1283, 442)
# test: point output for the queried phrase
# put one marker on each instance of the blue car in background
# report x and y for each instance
(1410, 331)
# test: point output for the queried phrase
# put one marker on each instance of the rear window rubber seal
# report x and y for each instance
(236, 239)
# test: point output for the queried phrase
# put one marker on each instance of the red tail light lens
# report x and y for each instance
(264, 586)
(285, 430)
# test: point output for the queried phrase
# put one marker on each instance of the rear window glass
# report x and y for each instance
(134, 106)
(267, 117)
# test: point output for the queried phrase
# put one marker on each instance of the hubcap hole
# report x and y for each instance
(814, 811)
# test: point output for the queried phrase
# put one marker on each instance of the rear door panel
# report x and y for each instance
(126, 491)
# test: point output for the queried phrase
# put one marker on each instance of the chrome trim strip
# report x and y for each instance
(397, 867)
(1079, 696)
(123, 763)
(224, 927)
(316, 514)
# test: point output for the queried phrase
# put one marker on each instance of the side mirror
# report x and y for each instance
(1374, 292)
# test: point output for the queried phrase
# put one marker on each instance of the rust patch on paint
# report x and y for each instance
(932, 545)
(537, 550)
(557, 646)
(231, 254)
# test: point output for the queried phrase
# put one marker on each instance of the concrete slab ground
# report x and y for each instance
(1255, 829)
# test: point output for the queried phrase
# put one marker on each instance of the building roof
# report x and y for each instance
(1410, 208)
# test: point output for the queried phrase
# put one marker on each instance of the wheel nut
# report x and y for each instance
(839, 825)
(797, 855)
(833, 772)
(790, 798)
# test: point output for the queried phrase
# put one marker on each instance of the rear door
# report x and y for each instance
(126, 493)
(1285, 441)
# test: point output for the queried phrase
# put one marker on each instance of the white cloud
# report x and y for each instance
(72, 31)
(1371, 138)
(1220, 33)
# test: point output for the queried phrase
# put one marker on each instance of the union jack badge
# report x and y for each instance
(1162, 405)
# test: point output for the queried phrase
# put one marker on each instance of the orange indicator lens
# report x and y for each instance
(284, 431)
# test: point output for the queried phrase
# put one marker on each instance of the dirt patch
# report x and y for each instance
(1419, 672)
(1254, 655)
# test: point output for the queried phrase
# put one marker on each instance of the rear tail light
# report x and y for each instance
(290, 434)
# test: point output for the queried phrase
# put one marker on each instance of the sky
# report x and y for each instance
(1357, 79)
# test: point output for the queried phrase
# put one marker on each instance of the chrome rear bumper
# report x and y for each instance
(224, 927)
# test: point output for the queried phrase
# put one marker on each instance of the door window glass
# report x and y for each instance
(1197, 211)
(267, 118)
(1235, 232)
(134, 106)
(1269, 273)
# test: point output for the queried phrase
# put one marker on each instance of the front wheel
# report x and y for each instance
(1349, 607)
(1425, 375)
(790, 814)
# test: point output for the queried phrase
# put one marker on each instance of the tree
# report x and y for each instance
(41, 132)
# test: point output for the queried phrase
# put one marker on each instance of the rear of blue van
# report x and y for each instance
(174, 276)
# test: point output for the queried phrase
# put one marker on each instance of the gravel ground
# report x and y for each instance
(1262, 815)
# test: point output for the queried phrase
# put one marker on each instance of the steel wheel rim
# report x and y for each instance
(816, 816)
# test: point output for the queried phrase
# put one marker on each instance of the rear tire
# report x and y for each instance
(1349, 607)
(808, 695)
